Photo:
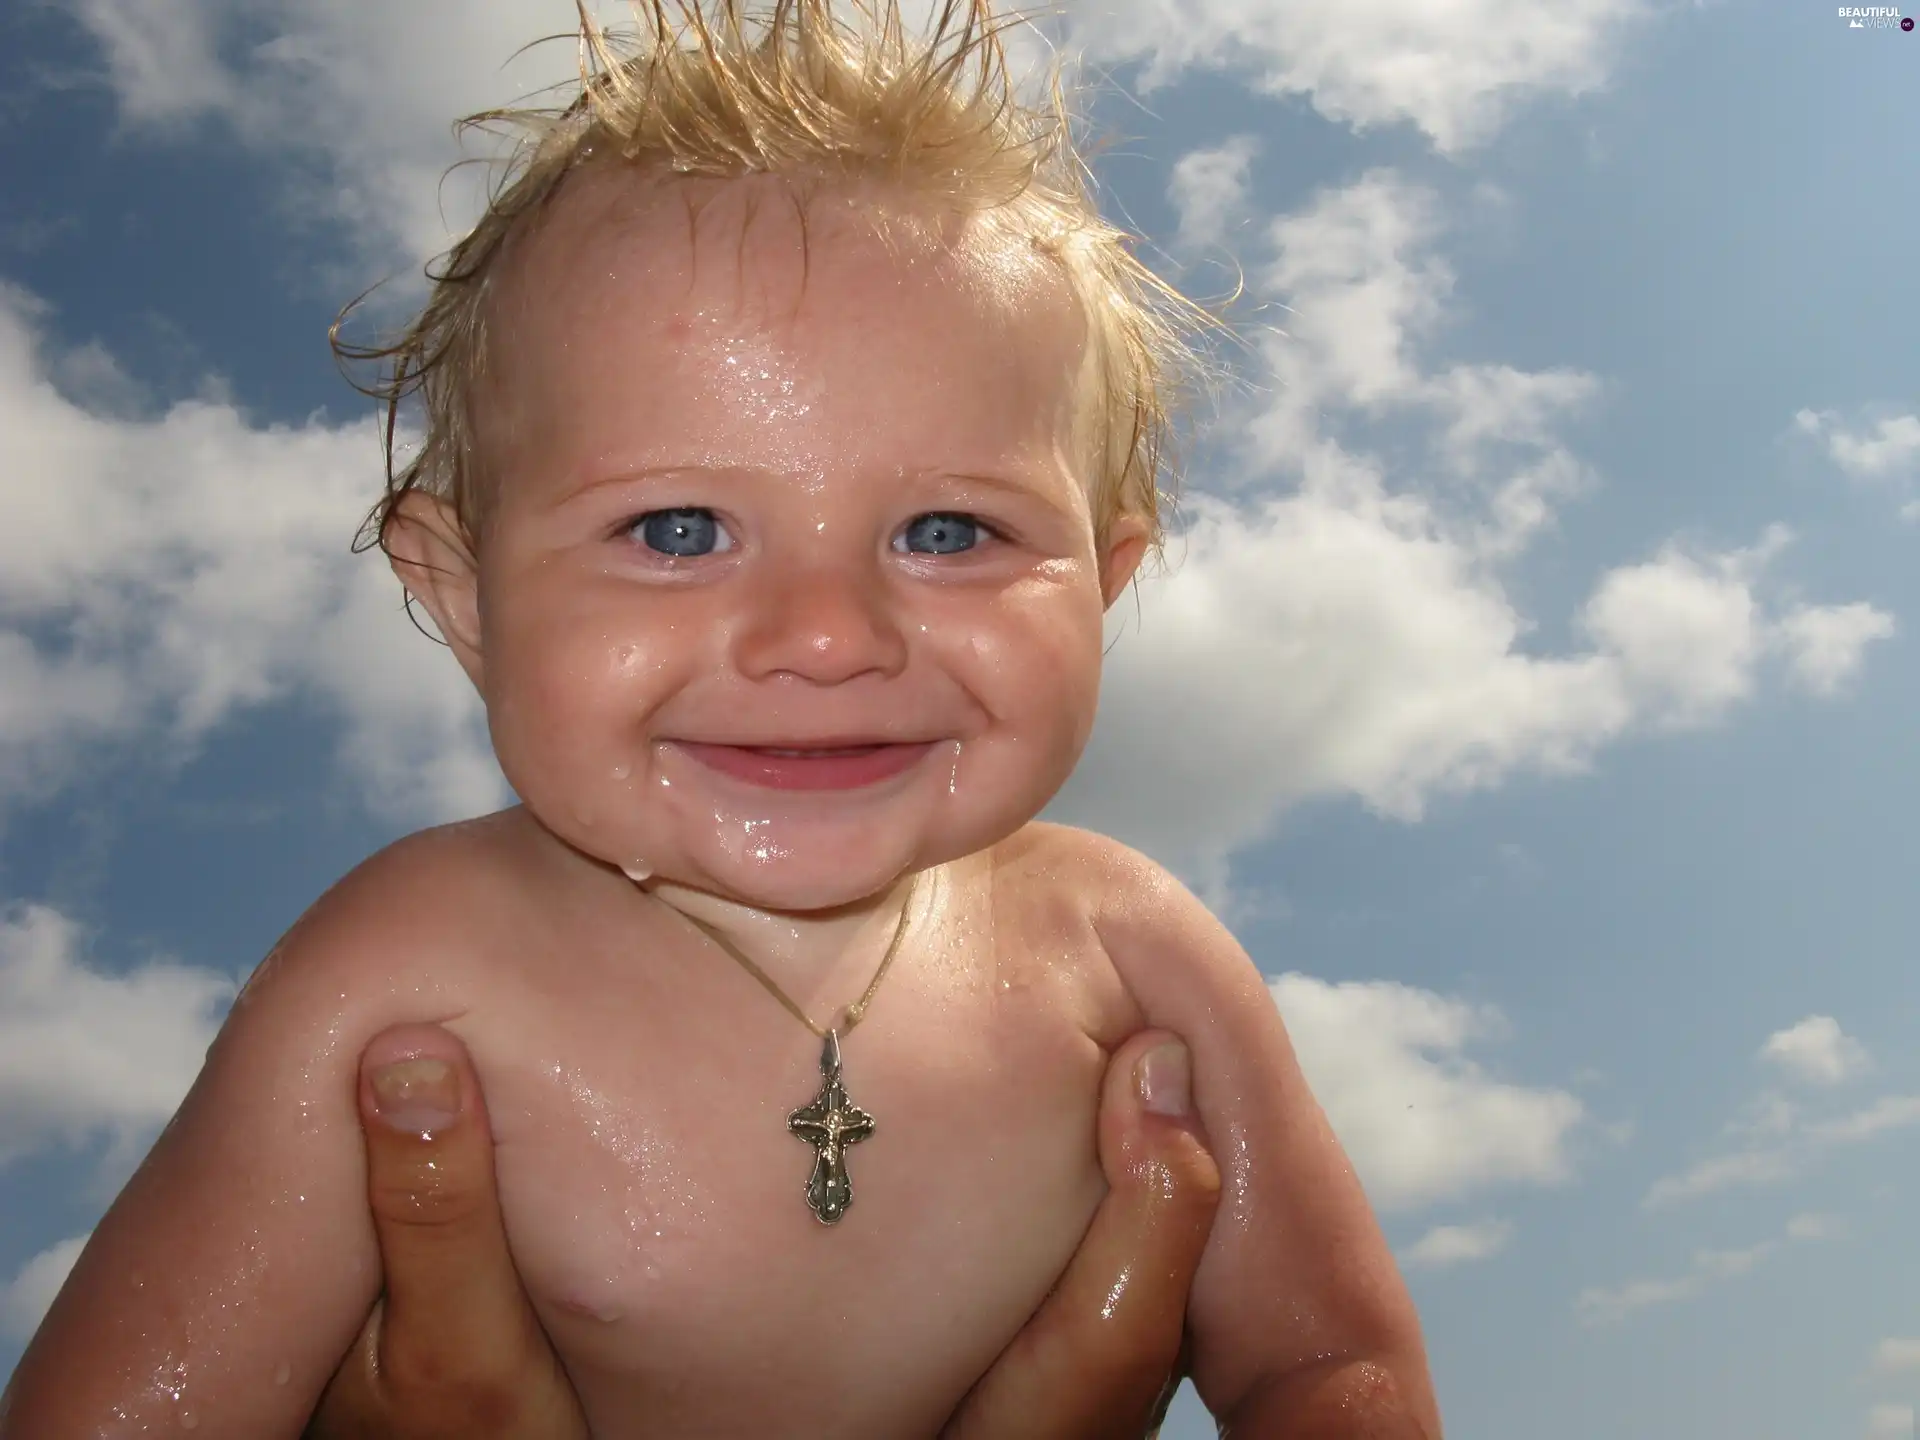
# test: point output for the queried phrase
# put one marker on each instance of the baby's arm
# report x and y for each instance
(223, 1287)
(1300, 1323)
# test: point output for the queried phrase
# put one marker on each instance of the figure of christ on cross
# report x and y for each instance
(830, 1124)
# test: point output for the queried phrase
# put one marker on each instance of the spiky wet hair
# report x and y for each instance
(818, 92)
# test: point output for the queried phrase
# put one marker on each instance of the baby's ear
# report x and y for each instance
(1125, 548)
(431, 554)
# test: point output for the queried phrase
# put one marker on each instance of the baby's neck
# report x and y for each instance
(823, 959)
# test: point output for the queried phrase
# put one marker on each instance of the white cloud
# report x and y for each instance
(1826, 645)
(358, 94)
(1687, 630)
(1209, 191)
(1347, 617)
(1879, 448)
(1728, 1264)
(1892, 448)
(1724, 1172)
(1782, 1145)
(1889, 447)
(1897, 1355)
(1889, 1112)
(1421, 1121)
(25, 1298)
(1457, 71)
(1816, 1050)
(1362, 289)
(1448, 1245)
(163, 58)
(189, 565)
(1609, 1305)
(1600, 1306)
(82, 1052)
(1890, 1422)
(1814, 1227)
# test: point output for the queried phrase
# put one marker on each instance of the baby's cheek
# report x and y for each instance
(555, 718)
(1043, 677)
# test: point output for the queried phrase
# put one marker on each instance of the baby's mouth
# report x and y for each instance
(841, 764)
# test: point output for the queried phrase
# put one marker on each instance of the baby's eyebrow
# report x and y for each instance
(600, 480)
(1032, 488)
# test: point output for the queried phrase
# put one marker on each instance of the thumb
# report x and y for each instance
(1094, 1362)
(455, 1312)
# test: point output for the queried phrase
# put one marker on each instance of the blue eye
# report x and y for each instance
(942, 534)
(683, 533)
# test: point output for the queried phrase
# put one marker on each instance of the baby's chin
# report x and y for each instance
(790, 885)
(754, 871)
(796, 862)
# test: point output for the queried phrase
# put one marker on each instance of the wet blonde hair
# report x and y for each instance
(800, 92)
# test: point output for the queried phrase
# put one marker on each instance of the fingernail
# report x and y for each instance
(1164, 1077)
(418, 1096)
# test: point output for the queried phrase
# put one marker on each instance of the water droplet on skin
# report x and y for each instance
(189, 1420)
(283, 1374)
(621, 772)
(638, 871)
(953, 776)
(761, 847)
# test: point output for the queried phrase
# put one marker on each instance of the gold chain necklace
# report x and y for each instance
(830, 1122)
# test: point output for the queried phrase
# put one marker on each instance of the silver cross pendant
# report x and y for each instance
(830, 1124)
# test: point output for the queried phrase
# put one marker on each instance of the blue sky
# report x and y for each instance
(1532, 689)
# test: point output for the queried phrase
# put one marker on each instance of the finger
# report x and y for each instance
(1094, 1362)
(455, 1312)
(351, 1407)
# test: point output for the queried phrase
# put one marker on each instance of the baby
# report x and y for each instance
(791, 420)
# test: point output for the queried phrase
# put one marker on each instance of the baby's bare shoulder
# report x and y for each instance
(1117, 886)
(1176, 959)
(420, 916)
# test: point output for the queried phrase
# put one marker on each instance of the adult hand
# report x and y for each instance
(453, 1348)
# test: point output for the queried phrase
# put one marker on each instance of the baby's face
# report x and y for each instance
(764, 489)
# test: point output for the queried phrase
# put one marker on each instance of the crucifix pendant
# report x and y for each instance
(830, 1124)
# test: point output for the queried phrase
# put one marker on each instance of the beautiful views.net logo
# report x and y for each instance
(1875, 17)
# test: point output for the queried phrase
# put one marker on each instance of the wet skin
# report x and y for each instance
(762, 488)
(455, 1348)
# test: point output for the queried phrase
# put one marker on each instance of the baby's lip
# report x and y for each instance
(824, 745)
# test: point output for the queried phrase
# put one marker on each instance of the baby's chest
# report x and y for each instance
(656, 1199)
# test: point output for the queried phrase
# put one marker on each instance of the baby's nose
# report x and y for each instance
(824, 623)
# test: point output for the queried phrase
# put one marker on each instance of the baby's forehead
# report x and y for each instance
(771, 243)
(702, 311)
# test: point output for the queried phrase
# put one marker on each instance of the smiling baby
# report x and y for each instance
(789, 423)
